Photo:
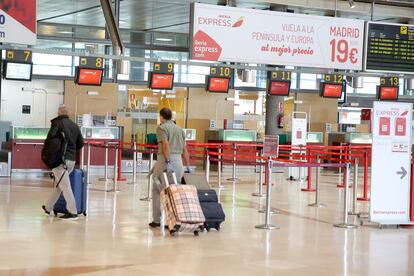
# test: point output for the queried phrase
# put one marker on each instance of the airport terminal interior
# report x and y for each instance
(274, 137)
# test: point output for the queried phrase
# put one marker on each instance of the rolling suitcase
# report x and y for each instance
(182, 207)
(79, 189)
(212, 209)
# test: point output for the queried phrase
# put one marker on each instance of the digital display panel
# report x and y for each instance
(86, 76)
(161, 81)
(331, 90)
(18, 71)
(278, 88)
(390, 48)
(218, 85)
(387, 93)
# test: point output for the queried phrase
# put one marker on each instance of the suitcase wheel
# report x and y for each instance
(55, 213)
(172, 233)
(84, 213)
(196, 233)
(218, 227)
(208, 229)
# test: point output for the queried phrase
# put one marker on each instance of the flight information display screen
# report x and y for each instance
(390, 48)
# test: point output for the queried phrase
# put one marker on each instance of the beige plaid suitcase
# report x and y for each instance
(181, 207)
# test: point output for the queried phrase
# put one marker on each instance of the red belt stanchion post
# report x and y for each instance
(345, 223)
(317, 203)
(309, 187)
(115, 183)
(120, 178)
(267, 225)
(234, 178)
(260, 193)
(365, 197)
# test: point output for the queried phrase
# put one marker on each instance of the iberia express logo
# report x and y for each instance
(204, 46)
(239, 22)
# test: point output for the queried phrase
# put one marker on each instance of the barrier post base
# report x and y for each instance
(113, 190)
(317, 205)
(308, 190)
(132, 183)
(363, 215)
(272, 212)
(145, 199)
(122, 179)
(105, 179)
(232, 179)
(259, 194)
(345, 226)
(354, 213)
(363, 198)
(267, 227)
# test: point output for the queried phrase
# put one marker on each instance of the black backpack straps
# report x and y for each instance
(65, 143)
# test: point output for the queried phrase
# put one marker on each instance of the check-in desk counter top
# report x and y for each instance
(27, 144)
(100, 134)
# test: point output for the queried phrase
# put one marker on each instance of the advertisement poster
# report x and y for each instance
(299, 131)
(391, 163)
(18, 22)
(278, 38)
(271, 146)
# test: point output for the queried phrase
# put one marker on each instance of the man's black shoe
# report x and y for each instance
(69, 216)
(45, 210)
(154, 224)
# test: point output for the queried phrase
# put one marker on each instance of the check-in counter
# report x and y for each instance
(229, 135)
(314, 138)
(27, 144)
(100, 134)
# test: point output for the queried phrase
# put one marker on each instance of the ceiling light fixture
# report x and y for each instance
(65, 32)
(164, 39)
(351, 3)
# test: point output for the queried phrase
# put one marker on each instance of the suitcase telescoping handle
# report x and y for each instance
(166, 180)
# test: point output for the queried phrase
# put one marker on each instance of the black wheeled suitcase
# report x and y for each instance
(79, 189)
(212, 209)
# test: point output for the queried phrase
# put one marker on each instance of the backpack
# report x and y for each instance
(54, 150)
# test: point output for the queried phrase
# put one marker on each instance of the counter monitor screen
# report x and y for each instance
(18, 71)
(387, 93)
(86, 76)
(278, 88)
(218, 85)
(160, 81)
(331, 90)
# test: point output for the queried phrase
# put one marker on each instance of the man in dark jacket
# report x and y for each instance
(61, 173)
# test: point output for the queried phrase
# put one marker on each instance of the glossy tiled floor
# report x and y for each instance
(114, 239)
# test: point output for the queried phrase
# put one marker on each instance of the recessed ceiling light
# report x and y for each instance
(164, 39)
(65, 32)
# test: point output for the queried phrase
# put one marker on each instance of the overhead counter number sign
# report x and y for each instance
(390, 81)
(91, 62)
(24, 56)
(221, 71)
(334, 78)
(163, 67)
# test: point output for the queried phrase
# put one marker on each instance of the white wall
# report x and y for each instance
(44, 97)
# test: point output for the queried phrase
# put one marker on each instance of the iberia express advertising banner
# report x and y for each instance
(267, 37)
(18, 21)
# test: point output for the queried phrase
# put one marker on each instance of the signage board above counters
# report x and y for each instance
(278, 38)
(390, 47)
(18, 22)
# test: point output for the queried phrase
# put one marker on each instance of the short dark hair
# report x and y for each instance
(166, 113)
